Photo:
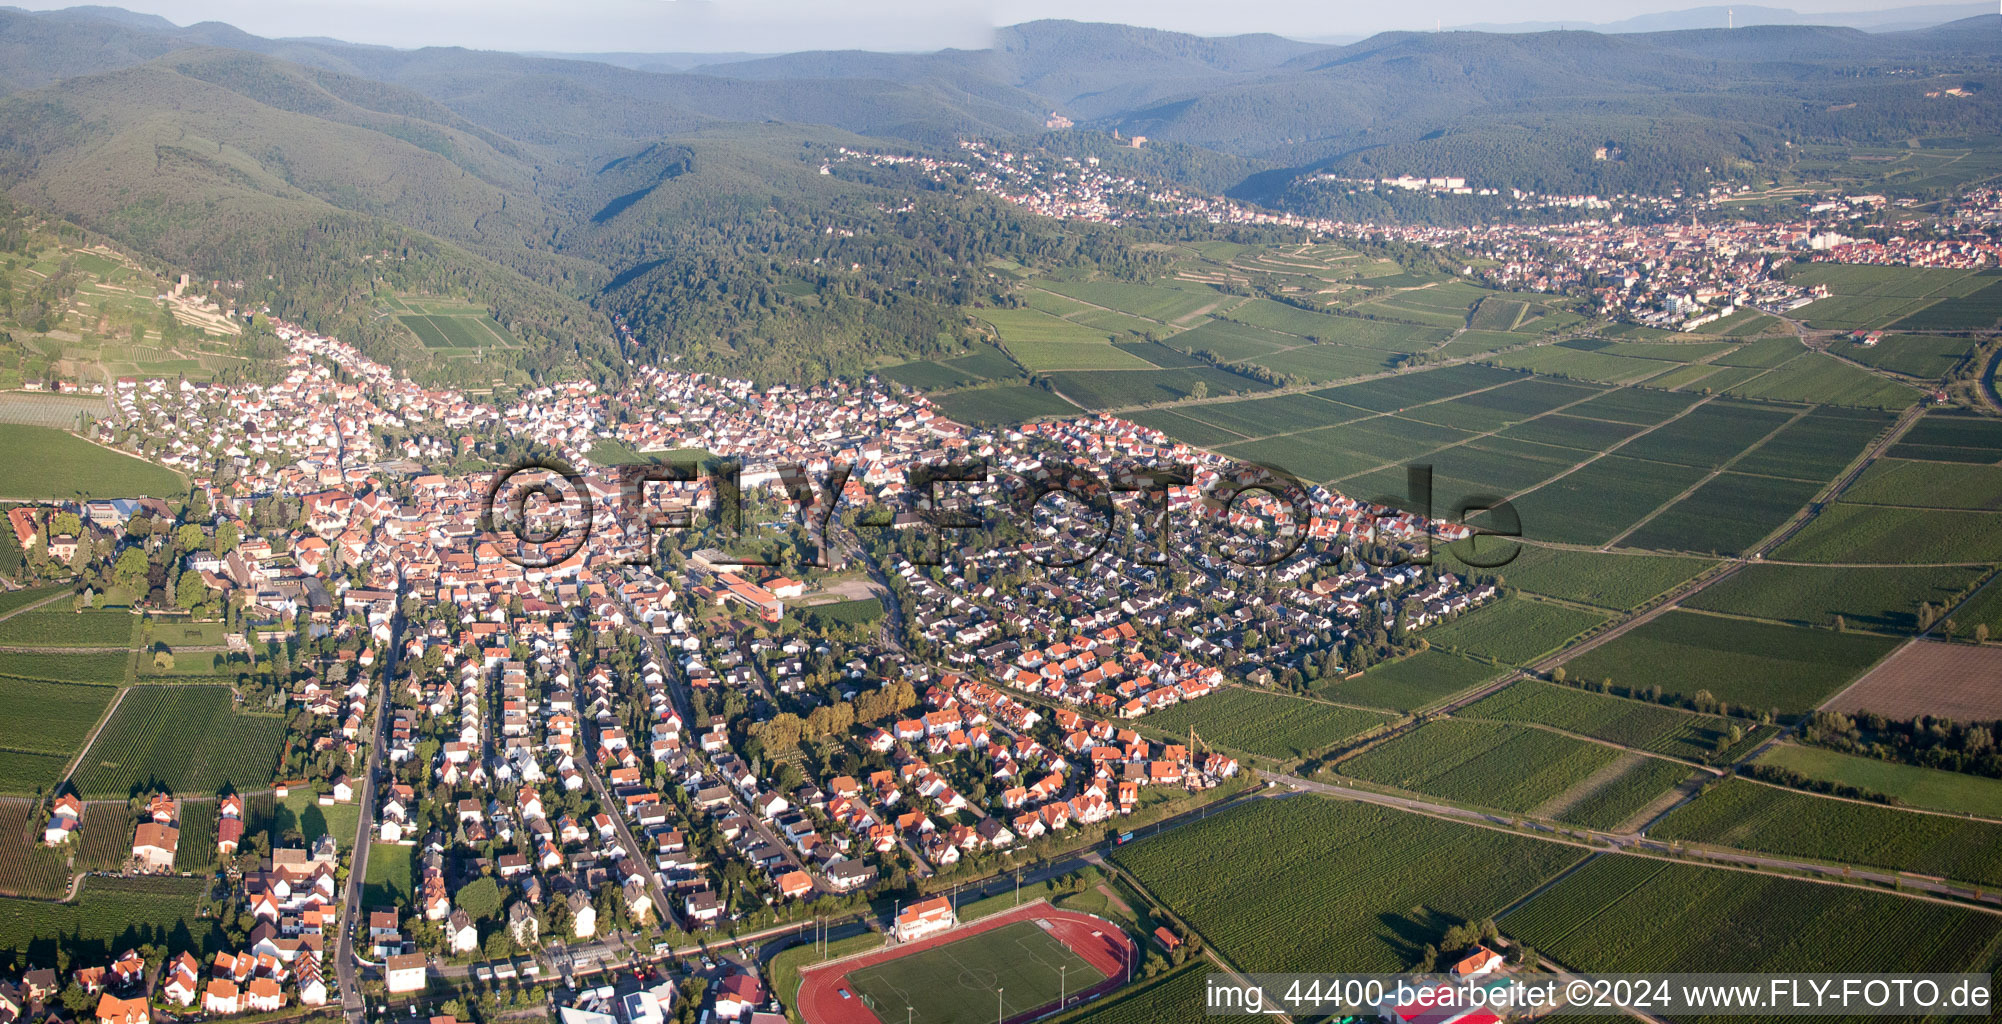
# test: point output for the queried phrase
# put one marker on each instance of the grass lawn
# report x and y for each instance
(390, 867)
(43, 462)
(957, 981)
(302, 811)
(1920, 787)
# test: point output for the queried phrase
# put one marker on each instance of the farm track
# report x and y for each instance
(1714, 473)
(69, 770)
(1294, 389)
(1991, 381)
(1820, 873)
(31, 607)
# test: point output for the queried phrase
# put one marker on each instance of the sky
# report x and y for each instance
(774, 26)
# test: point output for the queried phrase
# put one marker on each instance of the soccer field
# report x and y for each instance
(956, 982)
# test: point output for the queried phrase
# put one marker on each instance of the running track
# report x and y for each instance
(1102, 944)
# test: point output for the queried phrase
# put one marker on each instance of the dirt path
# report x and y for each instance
(1712, 475)
(31, 607)
(29, 649)
(1683, 792)
(1991, 381)
(111, 709)
(1587, 787)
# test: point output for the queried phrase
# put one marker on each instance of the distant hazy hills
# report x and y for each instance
(1896, 19)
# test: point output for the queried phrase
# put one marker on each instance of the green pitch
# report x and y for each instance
(956, 982)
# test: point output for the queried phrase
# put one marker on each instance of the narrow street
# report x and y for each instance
(345, 959)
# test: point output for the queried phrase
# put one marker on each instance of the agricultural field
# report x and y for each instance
(27, 868)
(45, 463)
(1638, 407)
(1409, 683)
(1975, 311)
(50, 718)
(1043, 356)
(97, 668)
(1347, 331)
(1636, 914)
(1629, 723)
(1903, 482)
(1513, 631)
(207, 746)
(1477, 342)
(1984, 609)
(56, 625)
(1768, 819)
(1943, 436)
(1312, 455)
(1602, 500)
(1746, 664)
(12, 600)
(473, 330)
(1151, 301)
(1686, 376)
(1232, 342)
(1847, 532)
(1817, 446)
(1584, 359)
(1711, 435)
(1401, 392)
(93, 313)
(1258, 417)
(1928, 788)
(1927, 357)
(1266, 724)
(1928, 677)
(197, 851)
(1496, 408)
(1619, 582)
(1878, 598)
(1319, 364)
(987, 363)
(1573, 433)
(1005, 403)
(24, 771)
(1176, 996)
(42, 409)
(1816, 377)
(1729, 514)
(1360, 886)
(1147, 385)
(1623, 795)
(1180, 427)
(110, 914)
(1506, 766)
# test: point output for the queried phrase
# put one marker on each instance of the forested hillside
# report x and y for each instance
(328, 178)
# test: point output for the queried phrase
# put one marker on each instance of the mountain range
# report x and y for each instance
(561, 190)
(1895, 19)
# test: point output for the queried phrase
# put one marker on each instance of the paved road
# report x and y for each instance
(344, 951)
(663, 910)
(1633, 842)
